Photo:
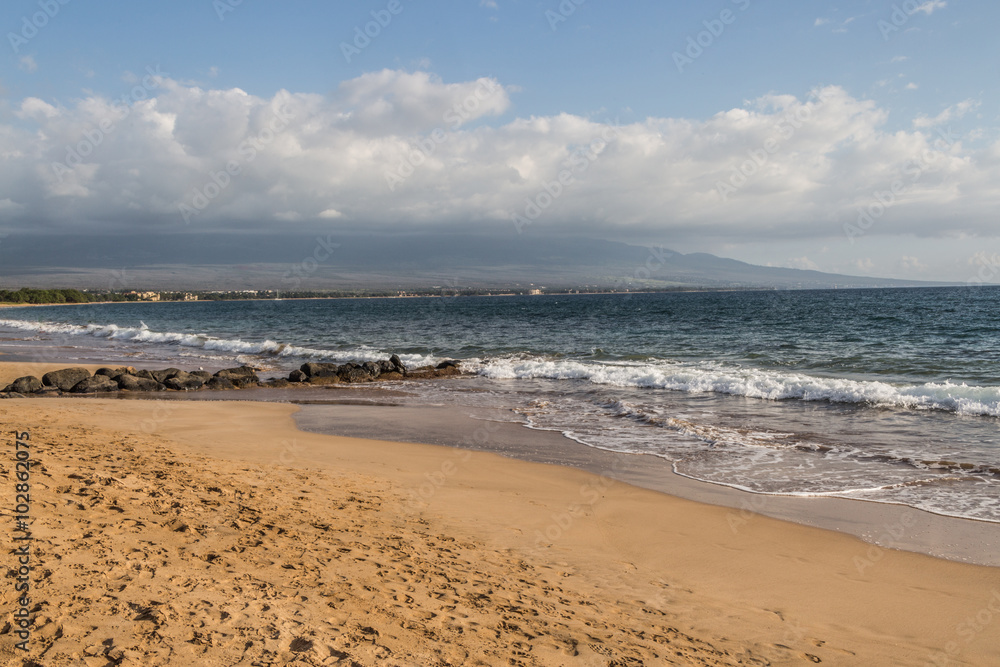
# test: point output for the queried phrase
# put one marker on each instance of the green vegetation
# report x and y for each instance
(28, 295)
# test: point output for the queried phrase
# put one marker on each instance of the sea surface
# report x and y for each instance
(884, 395)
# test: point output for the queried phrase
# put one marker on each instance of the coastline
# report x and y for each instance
(219, 518)
(351, 410)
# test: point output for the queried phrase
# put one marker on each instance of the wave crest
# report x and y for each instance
(756, 383)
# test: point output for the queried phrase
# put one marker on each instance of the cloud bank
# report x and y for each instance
(398, 150)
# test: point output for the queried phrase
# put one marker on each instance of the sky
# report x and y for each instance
(858, 137)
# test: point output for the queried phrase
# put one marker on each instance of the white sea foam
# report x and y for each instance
(226, 346)
(756, 383)
(687, 377)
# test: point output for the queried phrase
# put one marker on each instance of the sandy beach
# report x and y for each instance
(218, 533)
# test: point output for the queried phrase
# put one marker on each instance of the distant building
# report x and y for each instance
(190, 297)
(534, 291)
(146, 296)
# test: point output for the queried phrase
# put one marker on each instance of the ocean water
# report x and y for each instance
(878, 395)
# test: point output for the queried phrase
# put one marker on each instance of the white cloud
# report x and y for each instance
(911, 264)
(27, 64)
(489, 4)
(900, 59)
(820, 21)
(330, 162)
(843, 26)
(32, 107)
(930, 6)
(957, 111)
(912, 86)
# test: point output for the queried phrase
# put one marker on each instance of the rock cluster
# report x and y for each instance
(369, 371)
(127, 378)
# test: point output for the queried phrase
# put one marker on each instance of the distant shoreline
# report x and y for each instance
(438, 295)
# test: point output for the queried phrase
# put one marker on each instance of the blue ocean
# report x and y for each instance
(884, 395)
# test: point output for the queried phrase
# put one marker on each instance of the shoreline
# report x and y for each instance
(213, 519)
(883, 525)
(683, 290)
(326, 410)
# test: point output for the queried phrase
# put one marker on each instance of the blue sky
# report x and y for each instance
(896, 74)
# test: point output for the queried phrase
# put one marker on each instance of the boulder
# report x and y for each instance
(450, 363)
(356, 375)
(372, 368)
(244, 376)
(113, 373)
(220, 383)
(398, 363)
(184, 381)
(277, 383)
(164, 375)
(318, 370)
(66, 378)
(298, 376)
(391, 375)
(144, 374)
(386, 366)
(28, 384)
(95, 384)
(447, 371)
(11, 394)
(130, 382)
(204, 375)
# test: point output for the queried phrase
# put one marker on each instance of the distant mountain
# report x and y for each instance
(353, 261)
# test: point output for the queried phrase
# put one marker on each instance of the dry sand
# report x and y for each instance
(215, 533)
